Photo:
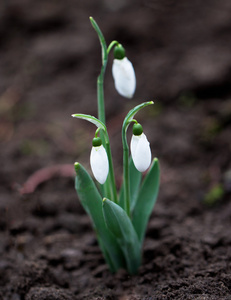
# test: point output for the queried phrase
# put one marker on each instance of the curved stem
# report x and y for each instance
(112, 44)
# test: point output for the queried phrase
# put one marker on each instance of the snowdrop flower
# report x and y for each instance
(123, 73)
(99, 161)
(140, 149)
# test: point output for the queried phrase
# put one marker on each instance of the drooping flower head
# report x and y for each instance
(99, 160)
(140, 149)
(123, 73)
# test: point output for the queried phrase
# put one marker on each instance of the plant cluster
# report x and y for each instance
(119, 220)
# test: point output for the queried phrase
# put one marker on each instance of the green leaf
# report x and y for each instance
(135, 179)
(101, 39)
(128, 119)
(92, 203)
(91, 119)
(121, 227)
(146, 199)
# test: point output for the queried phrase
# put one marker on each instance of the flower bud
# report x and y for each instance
(99, 161)
(124, 77)
(119, 52)
(137, 129)
(96, 142)
(140, 149)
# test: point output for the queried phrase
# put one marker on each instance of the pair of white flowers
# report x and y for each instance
(140, 151)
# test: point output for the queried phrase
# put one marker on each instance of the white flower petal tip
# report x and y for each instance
(141, 152)
(99, 163)
(124, 77)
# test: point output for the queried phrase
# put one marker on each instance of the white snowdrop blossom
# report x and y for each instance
(99, 163)
(141, 152)
(124, 77)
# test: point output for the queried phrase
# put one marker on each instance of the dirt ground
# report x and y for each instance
(49, 62)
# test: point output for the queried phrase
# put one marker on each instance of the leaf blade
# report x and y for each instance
(92, 203)
(101, 38)
(91, 119)
(135, 179)
(146, 199)
(121, 227)
(134, 111)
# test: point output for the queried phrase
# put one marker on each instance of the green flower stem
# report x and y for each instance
(126, 169)
(109, 187)
(101, 116)
(100, 80)
(112, 44)
(111, 175)
(100, 96)
(127, 121)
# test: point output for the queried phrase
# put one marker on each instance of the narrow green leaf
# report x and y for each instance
(121, 227)
(92, 203)
(91, 119)
(146, 199)
(135, 179)
(101, 38)
(132, 113)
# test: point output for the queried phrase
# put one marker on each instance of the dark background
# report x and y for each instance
(49, 63)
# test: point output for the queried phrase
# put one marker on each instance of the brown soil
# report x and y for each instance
(49, 61)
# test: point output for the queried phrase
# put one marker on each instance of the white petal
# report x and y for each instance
(141, 152)
(124, 77)
(134, 142)
(99, 163)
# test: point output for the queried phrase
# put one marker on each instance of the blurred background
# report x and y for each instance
(50, 59)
